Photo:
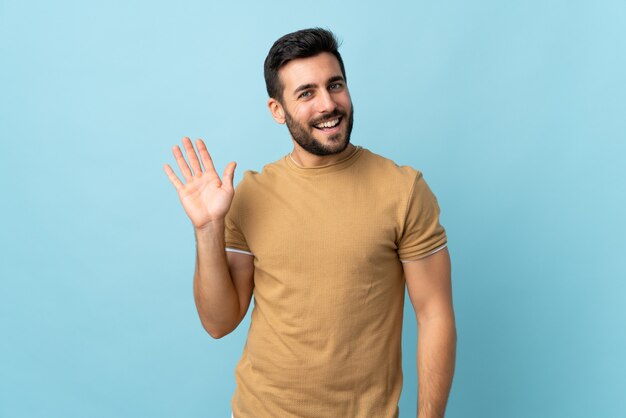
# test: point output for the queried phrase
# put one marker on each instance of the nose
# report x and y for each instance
(326, 102)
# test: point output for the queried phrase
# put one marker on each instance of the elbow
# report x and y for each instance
(218, 327)
(216, 335)
(215, 332)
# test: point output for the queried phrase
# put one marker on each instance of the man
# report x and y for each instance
(326, 239)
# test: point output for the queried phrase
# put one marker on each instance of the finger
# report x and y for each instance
(192, 157)
(229, 173)
(182, 164)
(173, 178)
(207, 161)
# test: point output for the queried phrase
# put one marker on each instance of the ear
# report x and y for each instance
(278, 112)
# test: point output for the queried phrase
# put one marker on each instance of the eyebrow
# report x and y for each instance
(311, 85)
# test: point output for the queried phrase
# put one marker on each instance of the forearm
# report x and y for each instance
(436, 353)
(214, 292)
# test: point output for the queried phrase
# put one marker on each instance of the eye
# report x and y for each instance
(304, 94)
(335, 86)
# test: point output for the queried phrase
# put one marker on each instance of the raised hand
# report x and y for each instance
(204, 196)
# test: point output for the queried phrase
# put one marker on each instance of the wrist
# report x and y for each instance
(210, 228)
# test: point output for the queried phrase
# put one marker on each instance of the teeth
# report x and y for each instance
(328, 124)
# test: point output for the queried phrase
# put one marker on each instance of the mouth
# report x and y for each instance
(330, 125)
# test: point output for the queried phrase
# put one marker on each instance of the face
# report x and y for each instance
(316, 104)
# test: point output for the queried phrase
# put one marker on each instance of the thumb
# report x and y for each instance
(229, 173)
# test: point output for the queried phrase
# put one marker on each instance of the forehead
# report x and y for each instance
(311, 70)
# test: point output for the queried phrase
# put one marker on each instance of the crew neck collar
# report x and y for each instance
(322, 169)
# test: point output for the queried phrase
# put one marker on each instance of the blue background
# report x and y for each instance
(514, 111)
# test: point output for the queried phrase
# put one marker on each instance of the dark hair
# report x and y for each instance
(301, 44)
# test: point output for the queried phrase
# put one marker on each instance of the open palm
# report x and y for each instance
(204, 196)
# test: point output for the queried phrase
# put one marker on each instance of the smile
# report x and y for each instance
(328, 124)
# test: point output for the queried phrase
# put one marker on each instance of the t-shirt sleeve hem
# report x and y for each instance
(406, 257)
(236, 250)
(236, 244)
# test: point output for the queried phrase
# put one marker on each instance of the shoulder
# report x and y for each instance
(255, 180)
(388, 172)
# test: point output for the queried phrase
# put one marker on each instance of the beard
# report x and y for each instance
(303, 135)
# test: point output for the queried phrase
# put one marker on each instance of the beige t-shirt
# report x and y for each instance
(325, 332)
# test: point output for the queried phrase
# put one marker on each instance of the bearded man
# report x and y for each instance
(326, 239)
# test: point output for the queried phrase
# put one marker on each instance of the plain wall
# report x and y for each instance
(514, 111)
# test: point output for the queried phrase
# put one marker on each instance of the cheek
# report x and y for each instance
(302, 113)
(346, 102)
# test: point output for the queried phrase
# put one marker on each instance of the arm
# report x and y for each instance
(223, 282)
(430, 290)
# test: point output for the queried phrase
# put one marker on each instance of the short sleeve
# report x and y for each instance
(233, 236)
(422, 234)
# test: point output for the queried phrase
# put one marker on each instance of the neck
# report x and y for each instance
(305, 159)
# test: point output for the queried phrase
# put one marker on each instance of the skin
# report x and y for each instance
(326, 93)
(224, 281)
(430, 290)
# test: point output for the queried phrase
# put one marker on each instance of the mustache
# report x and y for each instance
(330, 116)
